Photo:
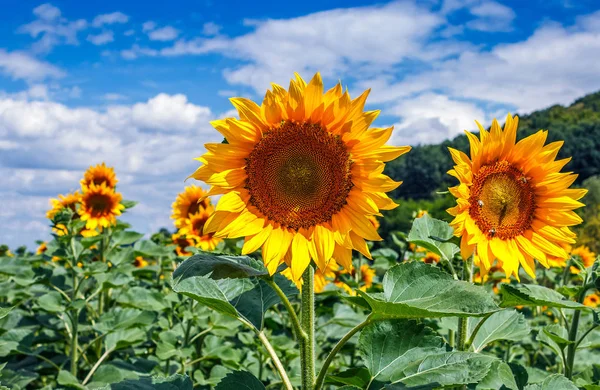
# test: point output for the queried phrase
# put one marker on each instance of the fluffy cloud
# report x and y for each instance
(20, 65)
(101, 39)
(151, 144)
(112, 18)
(52, 29)
(166, 33)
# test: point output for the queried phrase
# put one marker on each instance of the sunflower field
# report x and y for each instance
(275, 274)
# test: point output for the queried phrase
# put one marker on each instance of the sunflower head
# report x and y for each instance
(41, 249)
(431, 258)
(513, 202)
(64, 201)
(140, 262)
(193, 227)
(592, 300)
(182, 241)
(300, 175)
(100, 205)
(587, 256)
(99, 174)
(189, 202)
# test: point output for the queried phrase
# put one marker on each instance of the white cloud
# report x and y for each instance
(52, 29)
(148, 26)
(166, 33)
(491, 16)
(101, 39)
(20, 65)
(227, 93)
(432, 118)
(138, 51)
(112, 18)
(114, 96)
(129, 33)
(210, 29)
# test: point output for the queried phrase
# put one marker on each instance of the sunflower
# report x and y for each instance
(99, 174)
(430, 258)
(64, 201)
(587, 256)
(193, 227)
(189, 202)
(99, 206)
(592, 300)
(140, 262)
(513, 203)
(300, 175)
(41, 249)
(182, 241)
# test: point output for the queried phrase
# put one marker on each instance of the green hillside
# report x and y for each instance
(423, 170)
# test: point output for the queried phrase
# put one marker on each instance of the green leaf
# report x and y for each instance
(240, 380)
(173, 382)
(128, 203)
(502, 325)
(358, 377)
(499, 375)
(553, 382)
(432, 235)
(4, 311)
(52, 302)
(126, 238)
(89, 241)
(389, 347)
(124, 338)
(219, 267)
(556, 337)
(416, 290)
(147, 248)
(254, 304)
(142, 298)
(448, 368)
(534, 295)
(206, 292)
(66, 379)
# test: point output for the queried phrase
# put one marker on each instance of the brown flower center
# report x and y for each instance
(99, 204)
(502, 200)
(299, 175)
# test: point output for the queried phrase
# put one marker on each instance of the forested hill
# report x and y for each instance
(423, 170)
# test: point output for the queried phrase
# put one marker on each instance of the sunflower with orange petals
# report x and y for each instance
(100, 206)
(99, 174)
(300, 174)
(513, 202)
(188, 202)
(193, 227)
(69, 201)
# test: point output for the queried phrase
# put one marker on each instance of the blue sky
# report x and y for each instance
(135, 84)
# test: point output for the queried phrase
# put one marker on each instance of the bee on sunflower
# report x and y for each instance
(300, 176)
(514, 204)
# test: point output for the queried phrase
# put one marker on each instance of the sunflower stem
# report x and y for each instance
(299, 333)
(572, 347)
(463, 321)
(307, 321)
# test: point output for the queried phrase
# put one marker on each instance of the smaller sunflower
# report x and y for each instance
(587, 256)
(367, 274)
(322, 278)
(592, 300)
(431, 258)
(189, 202)
(99, 174)
(100, 206)
(182, 241)
(64, 201)
(194, 226)
(140, 262)
(41, 249)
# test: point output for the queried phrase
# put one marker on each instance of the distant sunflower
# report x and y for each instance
(587, 256)
(182, 242)
(99, 174)
(64, 201)
(193, 227)
(367, 274)
(188, 203)
(431, 258)
(41, 249)
(513, 203)
(300, 175)
(322, 278)
(100, 206)
(140, 262)
(592, 300)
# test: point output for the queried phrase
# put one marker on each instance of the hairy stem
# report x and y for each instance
(307, 321)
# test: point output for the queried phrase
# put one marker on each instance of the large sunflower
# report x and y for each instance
(100, 205)
(513, 203)
(300, 175)
(188, 202)
(64, 201)
(99, 174)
